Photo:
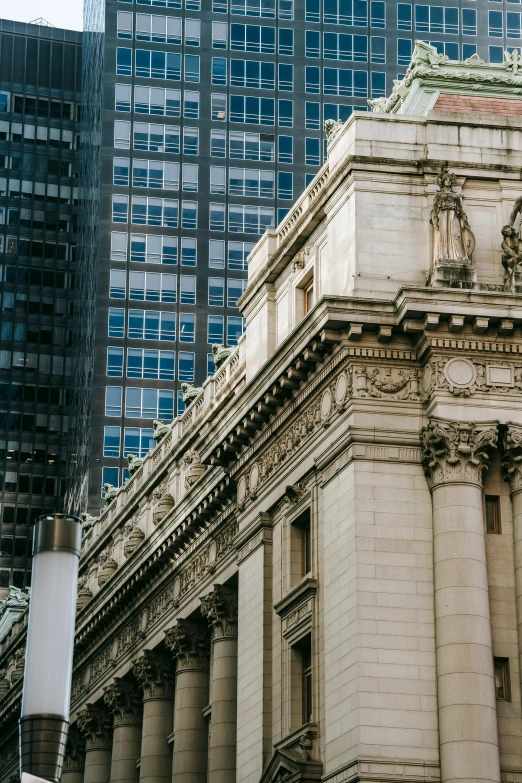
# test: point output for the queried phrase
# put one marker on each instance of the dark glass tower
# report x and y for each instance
(40, 70)
(211, 125)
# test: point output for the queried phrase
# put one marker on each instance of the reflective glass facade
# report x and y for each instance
(212, 124)
(40, 76)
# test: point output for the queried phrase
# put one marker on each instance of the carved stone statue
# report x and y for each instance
(220, 354)
(189, 393)
(159, 430)
(135, 463)
(87, 523)
(453, 239)
(110, 493)
(511, 254)
(15, 599)
(331, 129)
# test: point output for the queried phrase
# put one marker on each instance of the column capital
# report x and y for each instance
(455, 452)
(95, 723)
(512, 456)
(220, 608)
(189, 644)
(74, 751)
(155, 674)
(124, 699)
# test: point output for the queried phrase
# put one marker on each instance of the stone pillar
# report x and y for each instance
(74, 764)
(155, 673)
(455, 456)
(190, 645)
(220, 607)
(512, 467)
(123, 698)
(95, 723)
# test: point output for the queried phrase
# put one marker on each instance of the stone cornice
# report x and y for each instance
(457, 453)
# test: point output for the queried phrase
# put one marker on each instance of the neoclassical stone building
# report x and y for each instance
(317, 573)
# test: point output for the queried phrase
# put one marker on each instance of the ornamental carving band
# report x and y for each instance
(512, 457)
(155, 674)
(95, 723)
(124, 700)
(189, 642)
(220, 607)
(455, 452)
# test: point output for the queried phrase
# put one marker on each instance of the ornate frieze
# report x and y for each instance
(189, 643)
(512, 456)
(220, 608)
(95, 723)
(74, 751)
(386, 382)
(125, 701)
(454, 452)
(155, 674)
(463, 377)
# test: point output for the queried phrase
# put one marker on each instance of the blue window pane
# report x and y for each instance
(186, 366)
(123, 61)
(116, 322)
(111, 441)
(113, 400)
(110, 476)
(191, 68)
(286, 113)
(235, 327)
(285, 188)
(115, 362)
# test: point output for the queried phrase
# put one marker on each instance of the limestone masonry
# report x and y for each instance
(316, 575)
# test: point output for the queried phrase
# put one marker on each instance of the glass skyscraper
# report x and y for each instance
(40, 77)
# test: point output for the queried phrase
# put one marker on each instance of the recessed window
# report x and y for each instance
(502, 690)
(308, 296)
(492, 503)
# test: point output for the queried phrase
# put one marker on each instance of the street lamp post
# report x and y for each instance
(46, 696)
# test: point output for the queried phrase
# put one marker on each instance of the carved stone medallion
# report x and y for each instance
(460, 373)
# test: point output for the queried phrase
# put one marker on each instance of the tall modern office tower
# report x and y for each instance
(210, 115)
(40, 70)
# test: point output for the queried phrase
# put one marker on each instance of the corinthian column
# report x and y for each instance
(123, 698)
(512, 466)
(155, 674)
(455, 457)
(94, 722)
(190, 645)
(220, 607)
(74, 764)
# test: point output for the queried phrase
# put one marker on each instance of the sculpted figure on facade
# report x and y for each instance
(189, 393)
(110, 492)
(87, 523)
(454, 451)
(159, 430)
(220, 354)
(453, 239)
(194, 468)
(16, 599)
(135, 463)
(331, 129)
